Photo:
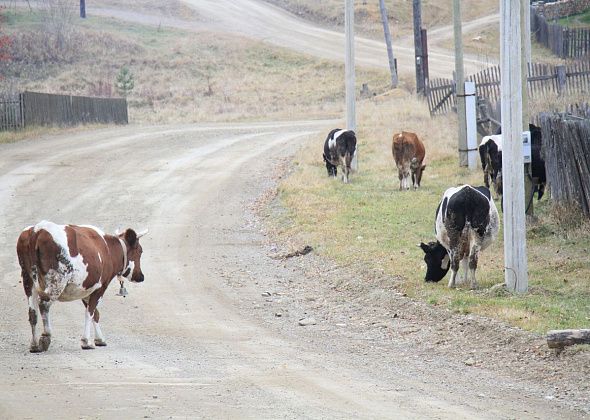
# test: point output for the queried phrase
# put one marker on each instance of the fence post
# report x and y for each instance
(561, 80)
(471, 123)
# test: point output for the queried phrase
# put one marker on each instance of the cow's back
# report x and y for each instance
(406, 146)
(463, 207)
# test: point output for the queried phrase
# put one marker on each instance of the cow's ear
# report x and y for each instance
(131, 237)
(423, 167)
(424, 247)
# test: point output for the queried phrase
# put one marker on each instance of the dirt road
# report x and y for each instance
(190, 341)
(262, 21)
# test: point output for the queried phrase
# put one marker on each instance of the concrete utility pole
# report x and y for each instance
(349, 73)
(515, 258)
(418, 53)
(387, 34)
(83, 9)
(460, 83)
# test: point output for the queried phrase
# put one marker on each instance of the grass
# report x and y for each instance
(581, 20)
(368, 17)
(382, 227)
(184, 76)
(484, 43)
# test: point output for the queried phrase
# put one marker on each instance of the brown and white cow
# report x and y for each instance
(408, 153)
(69, 262)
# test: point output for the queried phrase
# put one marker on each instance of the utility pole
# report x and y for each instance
(387, 34)
(515, 258)
(418, 53)
(460, 84)
(349, 73)
(83, 9)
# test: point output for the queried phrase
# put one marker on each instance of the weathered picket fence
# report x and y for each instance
(566, 150)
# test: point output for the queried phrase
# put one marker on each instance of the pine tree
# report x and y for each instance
(125, 82)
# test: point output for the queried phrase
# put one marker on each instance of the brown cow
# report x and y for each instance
(408, 153)
(68, 262)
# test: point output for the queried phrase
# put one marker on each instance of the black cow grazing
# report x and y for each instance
(487, 154)
(490, 153)
(339, 149)
(467, 222)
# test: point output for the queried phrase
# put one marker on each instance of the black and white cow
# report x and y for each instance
(339, 149)
(467, 222)
(490, 153)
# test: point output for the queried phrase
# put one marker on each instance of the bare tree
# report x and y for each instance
(58, 16)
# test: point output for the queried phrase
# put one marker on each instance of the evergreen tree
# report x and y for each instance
(125, 82)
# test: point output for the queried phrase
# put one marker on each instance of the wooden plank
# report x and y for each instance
(562, 338)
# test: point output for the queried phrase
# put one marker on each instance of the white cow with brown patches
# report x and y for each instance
(69, 262)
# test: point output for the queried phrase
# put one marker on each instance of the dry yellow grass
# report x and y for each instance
(368, 18)
(191, 77)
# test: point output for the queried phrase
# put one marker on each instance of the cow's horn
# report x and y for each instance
(118, 232)
(142, 233)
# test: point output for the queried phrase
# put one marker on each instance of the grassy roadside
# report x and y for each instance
(368, 16)
(182, 76)
(372, 223)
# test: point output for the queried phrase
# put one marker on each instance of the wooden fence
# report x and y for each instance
(32, 108)
(50, 109)
(11, 115)
(562, 41)
(541, 80)
(566, 150)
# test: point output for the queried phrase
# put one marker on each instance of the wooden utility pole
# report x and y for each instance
(83, 9)
(460, 84)
(387, 34)
(418, 53)
(515, 258)
(349, 73)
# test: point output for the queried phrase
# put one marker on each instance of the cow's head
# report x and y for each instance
(437, 261)
(417, 168)
(134, 251)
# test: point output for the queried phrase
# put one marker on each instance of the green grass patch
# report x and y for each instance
(377, 225)
(581, 20)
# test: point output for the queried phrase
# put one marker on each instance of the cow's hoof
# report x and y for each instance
(35, 349)
(86, 345)
(100, 343)
(44, 342)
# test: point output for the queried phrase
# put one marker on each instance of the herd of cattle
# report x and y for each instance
(69, 262)
(466, 219)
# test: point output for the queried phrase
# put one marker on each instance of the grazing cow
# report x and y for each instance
(408, 153)
(490, 152)
(467, 222)
(339, 149)
(68, 262)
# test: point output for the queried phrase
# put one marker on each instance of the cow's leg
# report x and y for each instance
(454, 268)
(33, 300)
(45, 339)
(473, 257)
(464, 278)
(86, 342)
(98, 335)
(346, 173)
(401, 180)
(91, 321)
